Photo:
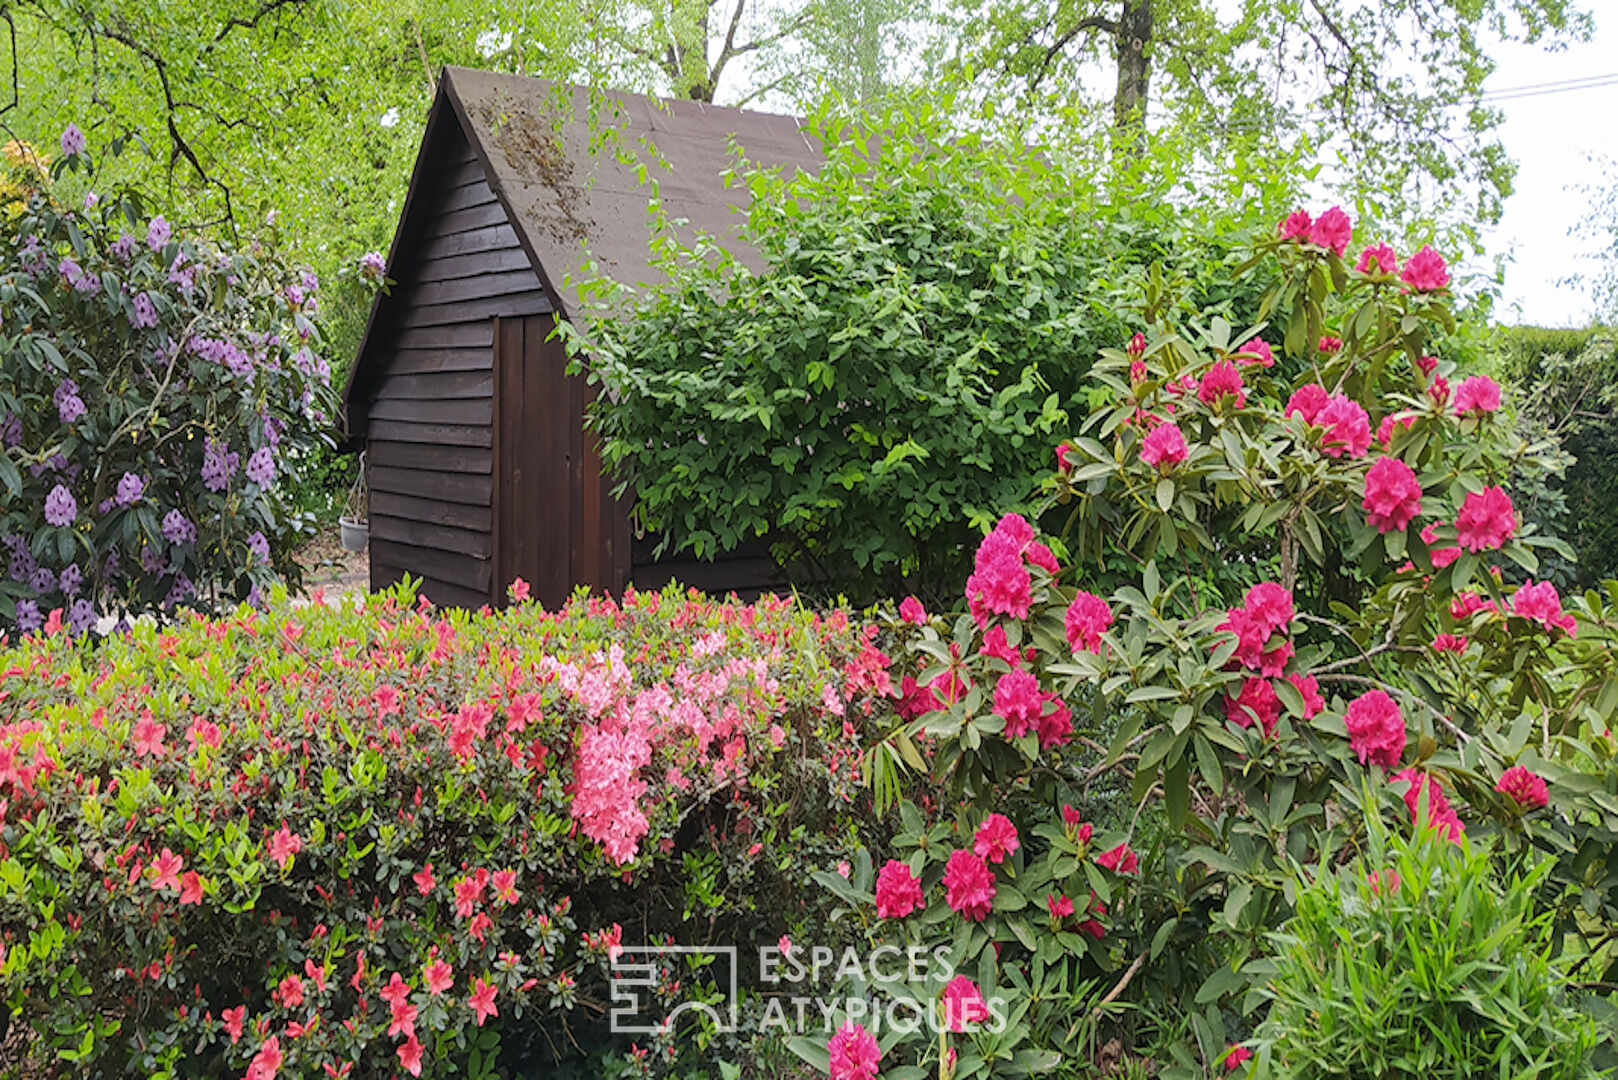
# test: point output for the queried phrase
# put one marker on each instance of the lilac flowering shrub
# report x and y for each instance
(156, 397)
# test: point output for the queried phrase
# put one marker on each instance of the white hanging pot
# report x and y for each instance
(354, 533)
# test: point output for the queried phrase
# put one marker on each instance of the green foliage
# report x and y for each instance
(1568, 384)
(285, 811)
(1430, 969)
(159, 396)
(897, 371)
(1231, 750)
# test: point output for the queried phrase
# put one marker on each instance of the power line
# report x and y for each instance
(1555, 86)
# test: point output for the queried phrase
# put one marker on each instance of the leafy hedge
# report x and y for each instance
(223, 841)
(896, 374)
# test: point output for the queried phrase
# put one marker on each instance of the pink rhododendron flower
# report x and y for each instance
(963, 1003)
(1377, 259)
(1018, 699)
(1307, 401)
(1439, 813)
(1039, 555)
(1137, 346)
(1222, 381)
(1426, 272)
(854, 1053)
(1523, 785)
(1137, 371)
(1449, 643)
(1376, 729)
(1384, 430)
(1088, 617)
(1348, 428)
(1257, 701)
(998, 646)
(1296, 225)
(1000, 583)
(1120, 859)
(1392, 495)
(1060, 906)
(1267, 610)
(1464, 604)
(1163, 446)
(1063, 463)
(898, 893)
(969, 885)
(1055, 727)
(1438, 391)
(1441, 557)
(1486, 521)
(911, 611)
(1309, 690)
(1427, 364)
(1477, 395)
(1541, 603)
(1257, 352)
(1329, 345)
(1332, 231)
(1235, 1057)
(996, 838)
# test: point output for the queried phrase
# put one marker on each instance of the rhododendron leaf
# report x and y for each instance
(1177, 791)
(1208, 764)
(814, 1053)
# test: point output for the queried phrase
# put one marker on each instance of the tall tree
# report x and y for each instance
(1393, 90)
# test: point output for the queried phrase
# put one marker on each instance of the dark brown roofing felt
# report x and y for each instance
(573, 196)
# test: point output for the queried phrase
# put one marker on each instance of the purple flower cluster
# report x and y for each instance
(60, 507)
(179, 592)
(177, 528)
(71, 580)
(272, 429)
(261, 467)
(81, 617)
(78, 279)
(42, 581)
(28, 617)
(152, 560)
(143, 313)
(69, 406)
(130, 488)
(158, 234)
(219, 464)
(73, 141)
(259, 547)
(22, 560)
(373, 265)
(11, 430)
(220, 351)
(124, 247)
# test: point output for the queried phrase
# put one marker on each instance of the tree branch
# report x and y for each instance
(1093, 22)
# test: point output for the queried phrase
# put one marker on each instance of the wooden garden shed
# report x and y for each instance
(477, 463)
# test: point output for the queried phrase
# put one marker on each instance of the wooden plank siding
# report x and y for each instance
(429, 414)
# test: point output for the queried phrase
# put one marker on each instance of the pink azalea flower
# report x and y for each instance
(284, 843)
(482, 1000)
(1235, 1056)
(410, 1055)
(190, 888)
(911, 611)
(1120, 860)
(167, 864)
(233, 1020)
(437, 977)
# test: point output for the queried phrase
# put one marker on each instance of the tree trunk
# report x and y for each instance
(1134, 37)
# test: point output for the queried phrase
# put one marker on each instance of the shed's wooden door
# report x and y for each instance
(556, 525)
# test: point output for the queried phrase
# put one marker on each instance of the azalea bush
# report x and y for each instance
(380, 840)
(157, 397)
(1288, 574)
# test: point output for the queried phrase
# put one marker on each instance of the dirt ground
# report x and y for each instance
(327, 566)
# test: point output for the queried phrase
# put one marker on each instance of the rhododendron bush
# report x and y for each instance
(156, 396)
(393, 840)
(1285, 593)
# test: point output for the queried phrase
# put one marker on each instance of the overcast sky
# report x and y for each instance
(1552, 137)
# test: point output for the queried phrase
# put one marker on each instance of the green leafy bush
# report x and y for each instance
(895, 375)
(157, 395)
(1170, 710)
(1413, 962)
(331, 838)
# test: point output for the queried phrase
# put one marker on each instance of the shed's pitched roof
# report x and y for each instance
(572, 197)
